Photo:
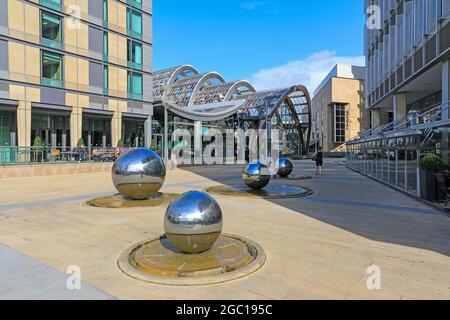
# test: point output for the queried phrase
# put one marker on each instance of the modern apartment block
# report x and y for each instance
(72, 69)
(338, 108)
(407, 58)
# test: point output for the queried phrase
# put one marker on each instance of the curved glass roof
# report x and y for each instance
(208, 97)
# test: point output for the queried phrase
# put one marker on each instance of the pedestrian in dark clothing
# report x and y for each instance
(318, 158)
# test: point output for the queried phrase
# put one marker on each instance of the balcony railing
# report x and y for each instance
(428, 116)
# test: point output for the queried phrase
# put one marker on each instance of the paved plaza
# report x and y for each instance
(317, 247)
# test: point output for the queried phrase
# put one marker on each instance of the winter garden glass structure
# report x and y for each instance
(186, 99)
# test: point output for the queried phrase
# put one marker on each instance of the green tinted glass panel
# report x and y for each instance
(51, 69)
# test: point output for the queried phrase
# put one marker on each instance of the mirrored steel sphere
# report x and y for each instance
(139, 174)
(193, 222)
(285, 167)
(256, 175)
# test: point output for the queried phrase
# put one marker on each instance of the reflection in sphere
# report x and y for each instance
(285, 167)
(256, 175)
(193, 222)
(139, 174)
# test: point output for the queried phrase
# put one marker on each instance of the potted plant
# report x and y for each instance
(429, 166)
(37, 149)
(80, 143)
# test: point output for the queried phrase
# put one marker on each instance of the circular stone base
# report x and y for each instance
(158, 261)
(269, 192)
(293, 177)
(118, 201)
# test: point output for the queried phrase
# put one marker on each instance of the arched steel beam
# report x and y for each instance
(238, 84)
(175, 74)
(206, 77)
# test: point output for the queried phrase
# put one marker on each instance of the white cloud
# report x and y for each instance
(252, 5)
(309, 72)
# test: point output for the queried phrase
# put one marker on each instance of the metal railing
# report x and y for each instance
(10, 156)
(413, 119)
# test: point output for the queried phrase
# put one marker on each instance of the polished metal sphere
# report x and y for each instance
(256, 175)
(285, 167)
(139, 174)
(193, 222)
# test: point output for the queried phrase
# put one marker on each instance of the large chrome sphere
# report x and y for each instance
(285, 167)
(256, 175)
(139, 174)
(193, 222)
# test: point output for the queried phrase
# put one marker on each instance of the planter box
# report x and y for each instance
(428, 186)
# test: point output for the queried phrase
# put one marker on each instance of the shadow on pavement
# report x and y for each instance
(357, 204)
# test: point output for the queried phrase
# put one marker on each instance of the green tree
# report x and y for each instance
(120, 143)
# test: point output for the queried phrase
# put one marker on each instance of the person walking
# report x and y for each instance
(318, 158)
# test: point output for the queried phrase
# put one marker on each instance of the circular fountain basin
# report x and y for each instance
(270, 192)
(158, 261)
(118, 201)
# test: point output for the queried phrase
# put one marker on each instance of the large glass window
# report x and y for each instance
(52, 127)
(96, 131)
(135, 86)
(51, 69)
(135, 54)
(134, 23)
(339, 123)
(51, 34)
(7, 128)
(7, 136)
(133, 133)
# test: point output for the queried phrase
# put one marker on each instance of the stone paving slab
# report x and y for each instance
(317, 248)
(22, 277)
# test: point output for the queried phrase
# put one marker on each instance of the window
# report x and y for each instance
(418, 22)
(52, 4)
(51, 69)
(134, 86)
(431, 15)
(339, 123)
(134, 23)
(134, 55)
(51, 30)
(446, 8)
(105, 12)
(105, 80)
(105, 46)
(135, 3)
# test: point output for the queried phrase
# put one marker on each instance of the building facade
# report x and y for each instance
(407, 90)
(338, 111)
(407, 57)
(72, 69)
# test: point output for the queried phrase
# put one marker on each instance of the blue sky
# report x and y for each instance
(273, 43)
